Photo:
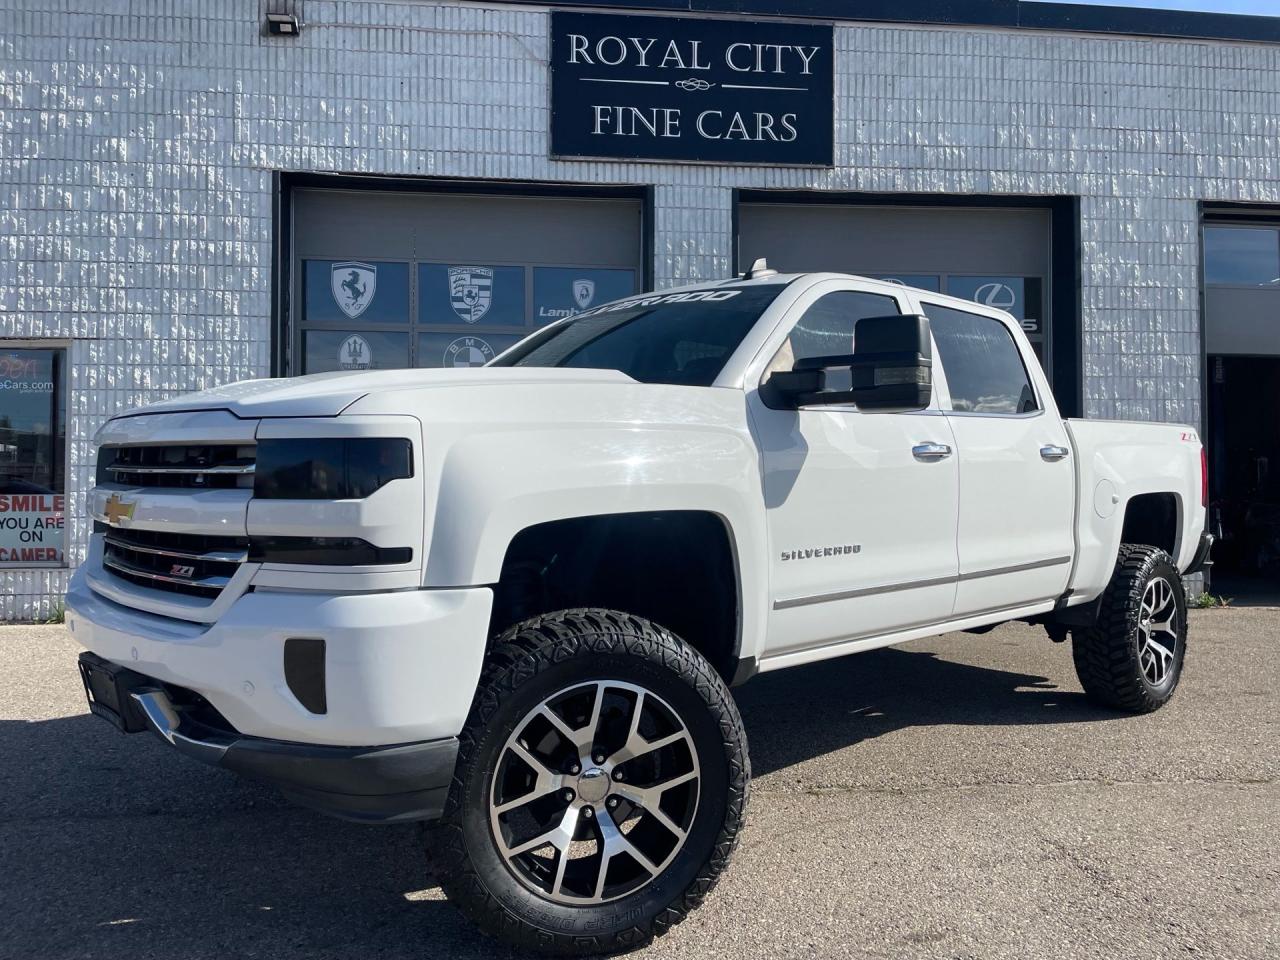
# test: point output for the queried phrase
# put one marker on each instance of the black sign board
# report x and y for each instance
(674, 88)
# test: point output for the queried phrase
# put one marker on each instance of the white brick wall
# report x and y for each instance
(138, 139)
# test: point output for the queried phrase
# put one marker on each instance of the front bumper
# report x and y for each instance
(382, 784)
(399, 667)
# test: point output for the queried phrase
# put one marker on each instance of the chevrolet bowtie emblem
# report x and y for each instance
(117, 509)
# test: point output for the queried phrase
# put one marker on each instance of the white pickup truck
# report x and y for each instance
(512, 600)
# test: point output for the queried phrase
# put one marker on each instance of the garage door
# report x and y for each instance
(995, 256)
(389, 279)
(1242, 287)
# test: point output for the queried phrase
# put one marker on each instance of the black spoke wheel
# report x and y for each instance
(600, 785)
(595, 792)
(1132, 657)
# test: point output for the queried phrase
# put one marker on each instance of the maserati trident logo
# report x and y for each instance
(584, 291)
(354, 353)
(470, 292)
(117, 509)
(352, 285)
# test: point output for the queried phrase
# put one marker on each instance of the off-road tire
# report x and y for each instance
(1107, 654)
(551, 652)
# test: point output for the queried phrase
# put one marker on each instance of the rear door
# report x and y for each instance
(1017, 486)
(861, 518)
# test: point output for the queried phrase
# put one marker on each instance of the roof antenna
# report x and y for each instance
(759, 269)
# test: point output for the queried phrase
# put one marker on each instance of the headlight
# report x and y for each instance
(334, 551)
(338, 468)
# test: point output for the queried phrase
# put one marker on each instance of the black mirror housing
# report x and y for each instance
(890, 370)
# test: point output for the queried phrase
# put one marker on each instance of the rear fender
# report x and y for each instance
(1115, 463)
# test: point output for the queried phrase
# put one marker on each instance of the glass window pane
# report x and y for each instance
(455, 349)
(467, 294)
(1248, 256)
(918, 280)
(565, 291)
(328, 350)
(342, 291)
(1021, 296)
(826, 329)
(32, 457)
(984, 369)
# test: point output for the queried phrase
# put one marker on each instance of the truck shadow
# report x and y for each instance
(798, 714)
(115, 845)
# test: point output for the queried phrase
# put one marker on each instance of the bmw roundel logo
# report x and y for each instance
(467, 352)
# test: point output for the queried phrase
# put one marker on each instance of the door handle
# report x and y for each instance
(931, 452)
(1052, 453)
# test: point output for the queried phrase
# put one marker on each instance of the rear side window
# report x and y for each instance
(984, 369)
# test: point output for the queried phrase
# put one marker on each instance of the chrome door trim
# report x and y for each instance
(917, 584)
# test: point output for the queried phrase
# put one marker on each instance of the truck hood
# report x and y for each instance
(328, 394)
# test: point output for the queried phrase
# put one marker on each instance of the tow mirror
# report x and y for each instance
(890, 369)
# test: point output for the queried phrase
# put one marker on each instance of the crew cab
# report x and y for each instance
(513, 600)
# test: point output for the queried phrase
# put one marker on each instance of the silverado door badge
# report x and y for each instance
(813, 553)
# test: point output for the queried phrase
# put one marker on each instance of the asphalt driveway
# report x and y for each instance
(956, 797)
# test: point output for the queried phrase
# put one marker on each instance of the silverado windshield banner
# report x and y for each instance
(673, 88)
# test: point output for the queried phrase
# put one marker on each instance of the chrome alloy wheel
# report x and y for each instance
(594, 793)
(1157, 631)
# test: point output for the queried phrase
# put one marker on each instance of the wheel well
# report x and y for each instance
(675, 568)
(1152, 519)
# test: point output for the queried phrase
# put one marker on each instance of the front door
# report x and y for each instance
(861, 507)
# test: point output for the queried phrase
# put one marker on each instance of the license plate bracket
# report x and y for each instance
(108, 686)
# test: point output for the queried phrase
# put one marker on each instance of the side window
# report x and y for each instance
(826, 328)
(984, 369)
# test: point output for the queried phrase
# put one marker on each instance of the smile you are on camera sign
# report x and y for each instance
(679, 89)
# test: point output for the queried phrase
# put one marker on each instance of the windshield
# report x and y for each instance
(676, 338)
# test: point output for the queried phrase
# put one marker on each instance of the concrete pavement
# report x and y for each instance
(957, 797)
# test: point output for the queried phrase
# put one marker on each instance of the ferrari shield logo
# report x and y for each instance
(470, 292)
(353, 285)
(584, 291)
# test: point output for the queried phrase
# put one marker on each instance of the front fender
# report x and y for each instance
(495, 485)
(498, 483)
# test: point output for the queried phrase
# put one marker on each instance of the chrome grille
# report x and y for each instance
(193, 564)
(208, 466)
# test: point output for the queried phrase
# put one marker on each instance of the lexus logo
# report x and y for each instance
(997, 295)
